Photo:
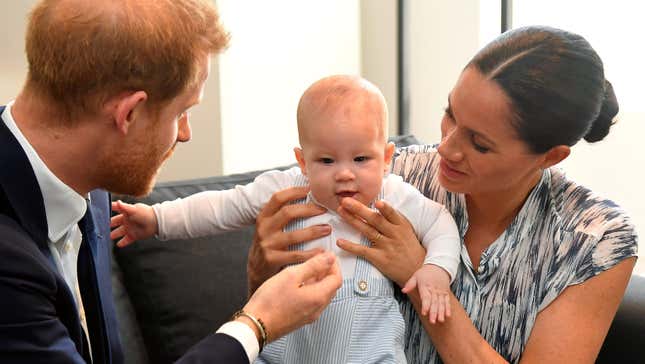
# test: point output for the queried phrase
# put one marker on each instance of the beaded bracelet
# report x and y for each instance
(257, 322)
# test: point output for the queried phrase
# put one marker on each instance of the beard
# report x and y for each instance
(133, 172)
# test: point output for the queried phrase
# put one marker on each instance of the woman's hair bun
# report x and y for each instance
(605, 119)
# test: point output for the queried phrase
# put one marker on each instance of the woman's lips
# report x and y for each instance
(450, 172)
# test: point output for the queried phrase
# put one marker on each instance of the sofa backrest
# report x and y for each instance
(169, 295)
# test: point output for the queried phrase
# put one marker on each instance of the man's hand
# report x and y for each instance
(296, 296)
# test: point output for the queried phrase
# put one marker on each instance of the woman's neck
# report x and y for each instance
(497, 209)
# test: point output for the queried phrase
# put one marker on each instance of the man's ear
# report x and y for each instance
(300, 157)
(127, 108)
(389, 152)
(555, 155)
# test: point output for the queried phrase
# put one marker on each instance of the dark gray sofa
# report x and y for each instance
(171, 294)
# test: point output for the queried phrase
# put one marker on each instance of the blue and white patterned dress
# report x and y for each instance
(563, 235)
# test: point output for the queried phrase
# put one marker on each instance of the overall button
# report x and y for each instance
(362, 285)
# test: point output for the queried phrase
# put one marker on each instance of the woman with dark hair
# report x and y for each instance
(545, 261)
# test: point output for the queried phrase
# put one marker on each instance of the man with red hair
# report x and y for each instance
(104, 104)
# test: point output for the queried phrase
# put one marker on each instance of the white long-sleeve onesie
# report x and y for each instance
(213, 212)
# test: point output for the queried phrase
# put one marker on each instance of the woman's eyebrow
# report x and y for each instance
(472, 131)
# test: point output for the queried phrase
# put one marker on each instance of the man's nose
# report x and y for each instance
(184, 133)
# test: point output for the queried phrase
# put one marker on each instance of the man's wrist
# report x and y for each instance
(246, 321)
(255, 323)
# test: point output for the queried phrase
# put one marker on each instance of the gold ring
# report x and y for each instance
(377, 237)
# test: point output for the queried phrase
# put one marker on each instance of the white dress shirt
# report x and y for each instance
(64, 208)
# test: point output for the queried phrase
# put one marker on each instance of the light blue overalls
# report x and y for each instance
(362, 324)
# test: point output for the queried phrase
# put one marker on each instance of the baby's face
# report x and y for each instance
(344, 158)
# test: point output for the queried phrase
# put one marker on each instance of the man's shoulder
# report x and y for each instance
(20, 256)
(11, 230)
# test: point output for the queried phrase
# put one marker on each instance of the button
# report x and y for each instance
(362, 285)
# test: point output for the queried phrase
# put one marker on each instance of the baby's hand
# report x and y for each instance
(433, 284)
(134, 222)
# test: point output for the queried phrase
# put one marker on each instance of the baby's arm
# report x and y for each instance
(212, 212)
(438, 233)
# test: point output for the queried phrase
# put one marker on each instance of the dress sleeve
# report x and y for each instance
(618, 242)
(580, 256)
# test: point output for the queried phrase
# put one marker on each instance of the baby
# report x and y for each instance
(342, 126)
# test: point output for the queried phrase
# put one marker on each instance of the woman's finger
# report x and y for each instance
(363, 212)
(447, 304)
(360, 250)
(281, 198)
(282, 240)
(286, 214)
(284, 258)
(364, 228)
(388, 212)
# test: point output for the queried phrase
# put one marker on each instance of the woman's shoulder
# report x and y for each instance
(414, 159)
(582, 210)
(417, 149)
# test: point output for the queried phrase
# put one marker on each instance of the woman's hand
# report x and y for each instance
(395, 250)
(269, 251)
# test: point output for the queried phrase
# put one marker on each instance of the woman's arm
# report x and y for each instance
(573, 327)
(398, 254)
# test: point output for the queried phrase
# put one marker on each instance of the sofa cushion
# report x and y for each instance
(183, 290)
(625, 342)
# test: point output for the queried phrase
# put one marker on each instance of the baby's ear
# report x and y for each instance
(300, 157)
(389, 152)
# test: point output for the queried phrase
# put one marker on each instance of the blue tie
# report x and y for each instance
(88, 285)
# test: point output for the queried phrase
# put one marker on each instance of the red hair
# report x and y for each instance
(81, 53)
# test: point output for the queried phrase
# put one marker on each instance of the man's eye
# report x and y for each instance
(326, 160)
(361, 159)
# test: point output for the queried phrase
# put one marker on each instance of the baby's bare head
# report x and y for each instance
(344, 99)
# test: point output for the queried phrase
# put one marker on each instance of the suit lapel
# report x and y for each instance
(21, 189)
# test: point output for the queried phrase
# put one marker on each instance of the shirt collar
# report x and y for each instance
(64, 207)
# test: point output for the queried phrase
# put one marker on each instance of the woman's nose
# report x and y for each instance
(450, 148)
(184, 133)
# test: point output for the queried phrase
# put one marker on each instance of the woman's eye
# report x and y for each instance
(361, 159)
(448, 113)
(326, 160)
(480, 149)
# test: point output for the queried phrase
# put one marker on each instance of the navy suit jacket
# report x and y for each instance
(39, 321)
